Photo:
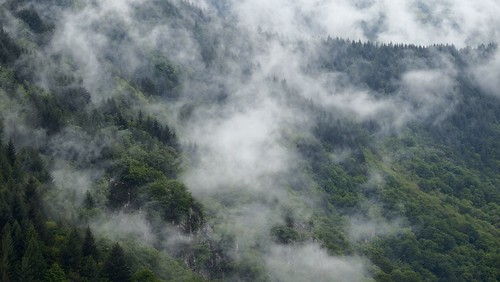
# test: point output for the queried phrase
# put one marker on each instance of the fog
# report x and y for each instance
(410, 21)
(240, 159)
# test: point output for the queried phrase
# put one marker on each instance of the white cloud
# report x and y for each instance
(487, 75)
(420, 22)
(310, 263)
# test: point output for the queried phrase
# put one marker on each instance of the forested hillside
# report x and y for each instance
(160, 140)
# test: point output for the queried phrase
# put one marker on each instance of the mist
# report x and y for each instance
(239, 110)
(412, 22)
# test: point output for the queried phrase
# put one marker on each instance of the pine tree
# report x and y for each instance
(18, 238)
(115, 267)
(19, 209)
(31, 192)
(5, 167)
(7, 254)
(34, 209)
(11, 153)
(88, 268)
(71, 252)
(89, 248)
(88, 202)
(13, 161)
(33, 264)
(55, 274)
(5, 212)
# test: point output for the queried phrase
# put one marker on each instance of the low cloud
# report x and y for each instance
(487, 75)
(309, 262)
(246, 110)
(121, 226)
(238, 148)
(417, 22)
(372, 224)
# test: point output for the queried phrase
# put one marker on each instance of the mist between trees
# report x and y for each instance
(250, 141)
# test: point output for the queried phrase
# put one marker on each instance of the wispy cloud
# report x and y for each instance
(417, 22)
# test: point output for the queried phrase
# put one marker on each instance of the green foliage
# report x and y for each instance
(144, 275)
(71, 252)
(33, 265)
(176, 204)
(34, 249)
(160, 78)
(50, 114)
(32, 163)
(133, 174)
(116, 268)
(284, 234)
(55, 274)
(7, 254)
(164, 267)
(440, 178)
(89, 248)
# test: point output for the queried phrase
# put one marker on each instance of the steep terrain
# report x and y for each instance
(170, 141)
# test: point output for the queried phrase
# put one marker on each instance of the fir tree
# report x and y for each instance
(71, 252)
(11, 153)
(7, 254)
(89, 248)
(33, 264)
(55, 274)
(88, 202)
(89, 268)
(115, 267)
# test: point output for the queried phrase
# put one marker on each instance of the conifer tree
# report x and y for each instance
(71, 252)
(19, 209)
(89, 248)
(11, 153)
(55, 274)
(88, 268)
(7, 253)
(18, 238)
(33, 264)
(115, 267)
(89, 201)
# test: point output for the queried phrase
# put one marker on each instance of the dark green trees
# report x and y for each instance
(89, 248)
(33, 264)
(7, 254)
(116, 268)
(55, 274)
(71, 252)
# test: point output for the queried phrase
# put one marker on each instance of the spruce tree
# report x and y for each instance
(33, 264)
(11, 153)
(7, 254)
(89, 201)
(34, 207)
(89, 248)
(55, 274)
(71, 252)
(115, 267)
(88, 268)
(19, 246)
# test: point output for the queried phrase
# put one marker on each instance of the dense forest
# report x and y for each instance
(158, 141)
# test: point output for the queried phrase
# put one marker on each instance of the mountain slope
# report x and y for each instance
(195, 148)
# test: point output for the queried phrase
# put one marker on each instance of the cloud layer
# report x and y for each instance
(421, 22)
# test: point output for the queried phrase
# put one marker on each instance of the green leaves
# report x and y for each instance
(176, 204)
